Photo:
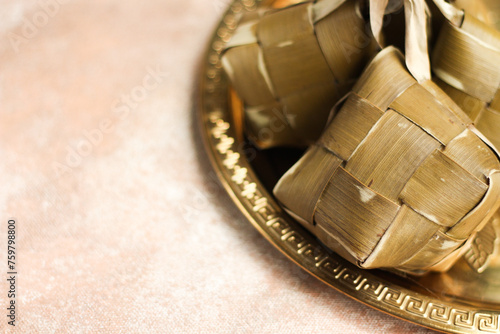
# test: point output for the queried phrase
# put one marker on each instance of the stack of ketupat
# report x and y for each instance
(398, 176)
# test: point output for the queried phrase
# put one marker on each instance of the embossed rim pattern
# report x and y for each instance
(226, 152)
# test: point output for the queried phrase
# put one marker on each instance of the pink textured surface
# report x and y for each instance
(133, 235)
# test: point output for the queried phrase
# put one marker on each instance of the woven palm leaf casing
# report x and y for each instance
(483, 10)
(399, 179)
(480, 9)
(466, 65)
(292, 65)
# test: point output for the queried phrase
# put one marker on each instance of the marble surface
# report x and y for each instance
(121, 228)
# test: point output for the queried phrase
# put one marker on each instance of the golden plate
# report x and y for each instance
(459, 301)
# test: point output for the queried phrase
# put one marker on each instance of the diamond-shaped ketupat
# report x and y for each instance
(400, 179)
(290, 66)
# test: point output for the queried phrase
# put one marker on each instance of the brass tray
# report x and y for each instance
(459, 301)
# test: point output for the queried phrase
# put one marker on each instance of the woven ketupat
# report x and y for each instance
(466, 65)
(399, 179)
(292, 65)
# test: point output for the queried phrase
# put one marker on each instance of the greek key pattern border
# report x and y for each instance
(355, 282)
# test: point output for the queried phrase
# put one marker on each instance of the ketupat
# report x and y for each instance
(292, 65)
(400, 178)
(466, 65)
